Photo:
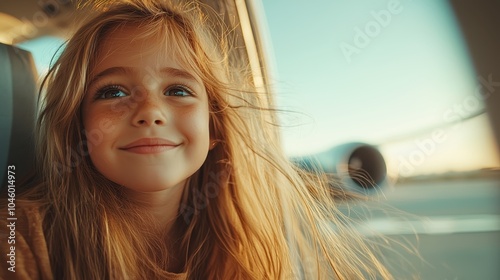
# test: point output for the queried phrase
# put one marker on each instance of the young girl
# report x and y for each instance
(158, 159)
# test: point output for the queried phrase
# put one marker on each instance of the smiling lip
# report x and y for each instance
(149, 146)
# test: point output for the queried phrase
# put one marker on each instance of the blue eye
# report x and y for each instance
(178, 91)
(110, 92)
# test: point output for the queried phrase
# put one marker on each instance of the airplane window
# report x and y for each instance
(395, 74)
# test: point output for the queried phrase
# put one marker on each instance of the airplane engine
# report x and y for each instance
(360, 167)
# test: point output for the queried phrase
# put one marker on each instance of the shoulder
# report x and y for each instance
(23, 239)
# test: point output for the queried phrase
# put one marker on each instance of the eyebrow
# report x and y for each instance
(129, 70)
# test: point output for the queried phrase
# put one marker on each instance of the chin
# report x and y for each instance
(156, 186)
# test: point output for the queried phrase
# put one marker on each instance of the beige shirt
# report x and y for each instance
(31, 254)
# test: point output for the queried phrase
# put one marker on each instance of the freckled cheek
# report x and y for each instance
(100, 127)
(92, 119)
(114, 113)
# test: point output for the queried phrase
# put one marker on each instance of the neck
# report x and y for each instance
(163, 205)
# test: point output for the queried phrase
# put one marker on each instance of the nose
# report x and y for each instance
(149, 112)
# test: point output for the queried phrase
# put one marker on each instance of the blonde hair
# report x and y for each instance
(248, 213)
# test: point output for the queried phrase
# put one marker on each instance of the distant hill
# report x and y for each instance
(485, 173)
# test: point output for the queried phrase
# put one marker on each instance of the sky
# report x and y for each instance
(377, 72)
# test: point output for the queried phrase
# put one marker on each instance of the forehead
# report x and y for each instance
(139, 46)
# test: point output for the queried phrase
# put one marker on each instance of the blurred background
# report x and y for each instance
(400, 76)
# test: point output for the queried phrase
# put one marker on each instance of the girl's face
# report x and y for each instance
(146, 117)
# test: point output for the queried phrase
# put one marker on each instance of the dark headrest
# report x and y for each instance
(18, 94)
